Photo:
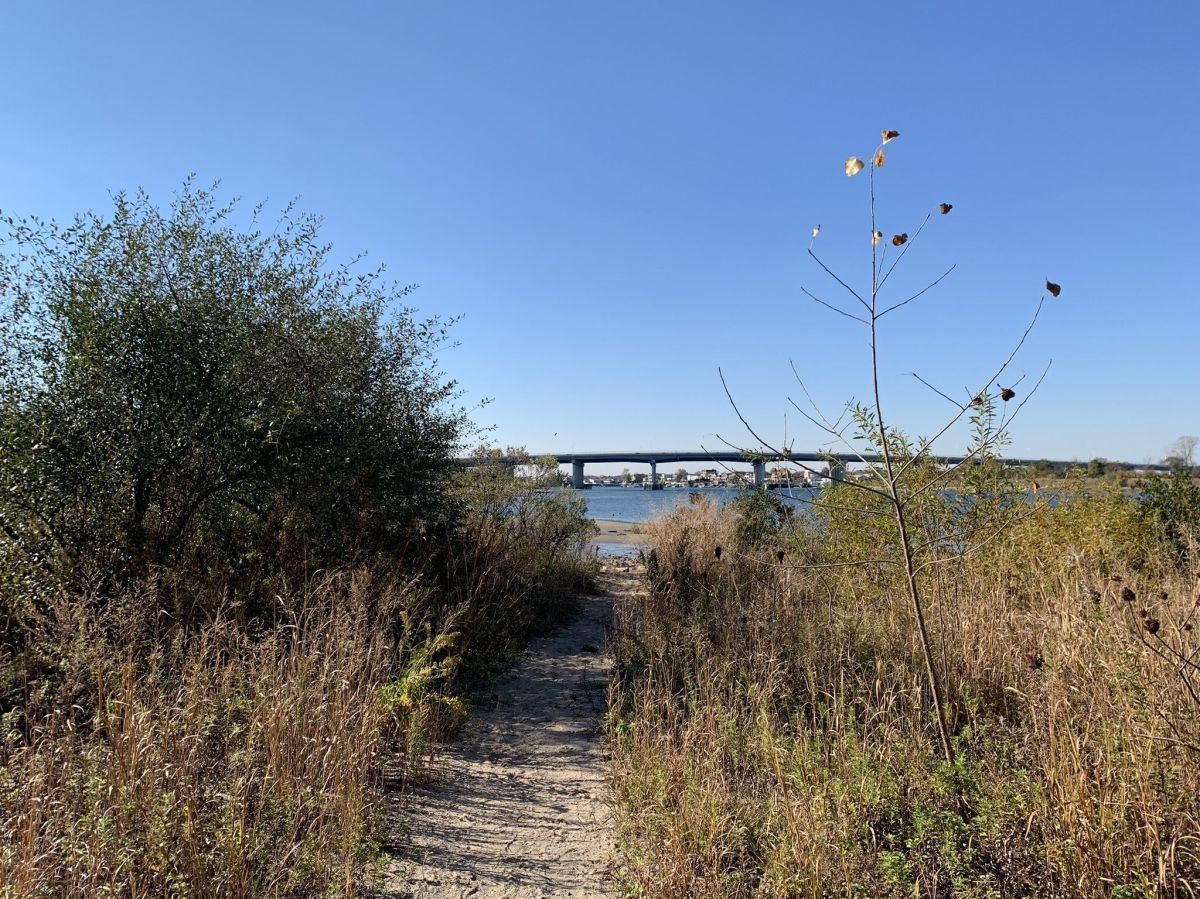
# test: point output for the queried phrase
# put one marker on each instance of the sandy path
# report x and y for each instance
(518, 806)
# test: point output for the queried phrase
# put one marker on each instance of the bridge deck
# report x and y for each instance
(669, 456)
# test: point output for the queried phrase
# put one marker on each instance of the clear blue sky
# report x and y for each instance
(618, 195)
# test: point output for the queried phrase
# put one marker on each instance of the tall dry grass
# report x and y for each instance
(773, 734)
(222, 765)
(155, 755)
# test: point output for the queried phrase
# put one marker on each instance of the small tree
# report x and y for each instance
(905, 476)
(1182, 453)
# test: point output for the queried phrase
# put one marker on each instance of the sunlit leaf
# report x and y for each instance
(899, 240)
(878, 160)
(890, 135)
(944, 208)
(854, 165)
(816, 230)
(1055, 289)
(876, 236)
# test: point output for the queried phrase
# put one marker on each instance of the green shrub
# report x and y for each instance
(1174, 502)
(176, 391)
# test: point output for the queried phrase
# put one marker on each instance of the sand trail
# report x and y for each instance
(519, 805)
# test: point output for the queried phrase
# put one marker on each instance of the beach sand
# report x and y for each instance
(619, 532)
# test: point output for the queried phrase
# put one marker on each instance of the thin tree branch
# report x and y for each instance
(912, 240)
(856, 484)
(828, 271)
(1004, 367)
(929, 287)
(951, 400)
(834, 308)
(983, 447)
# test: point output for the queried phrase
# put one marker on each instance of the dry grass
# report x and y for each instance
(222, 766)
(773, 734)
(243, 757)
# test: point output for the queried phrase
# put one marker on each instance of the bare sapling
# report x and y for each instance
(902, 472)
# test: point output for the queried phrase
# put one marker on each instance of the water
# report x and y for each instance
(617, 550)
(639, 506)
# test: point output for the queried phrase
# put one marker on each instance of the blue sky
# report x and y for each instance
(618, 196)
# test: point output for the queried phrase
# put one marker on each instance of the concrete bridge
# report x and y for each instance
(837, 462)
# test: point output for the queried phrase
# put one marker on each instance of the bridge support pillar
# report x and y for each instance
(760, 474)
(654, 484)
(577, 475)
(837, 471)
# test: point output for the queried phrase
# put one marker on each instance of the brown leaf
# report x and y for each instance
(1007, 393)
(900, 240)
(878, 160)
(944, 207)
(854, 165)
(890, 135)
(1054, 289)
(876, 236)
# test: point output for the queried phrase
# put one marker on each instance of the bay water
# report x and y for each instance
(638, 506)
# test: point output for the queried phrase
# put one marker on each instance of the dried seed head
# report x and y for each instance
(1007, 393)
(1093, 595)
(1036, 661)
(899, 240)
(1142, 613)
(1187, 626)
(1162, 594)
(1115, 578)
(717, 552)
(1128, 595)
(978, 401)
(1054, 289)
(779, 557)
(1152, 625)
(944, 208)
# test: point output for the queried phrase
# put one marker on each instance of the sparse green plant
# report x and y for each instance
(866, 435)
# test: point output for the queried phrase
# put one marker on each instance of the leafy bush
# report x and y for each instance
(176, 392)
(761, 516)
(1174, 502)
